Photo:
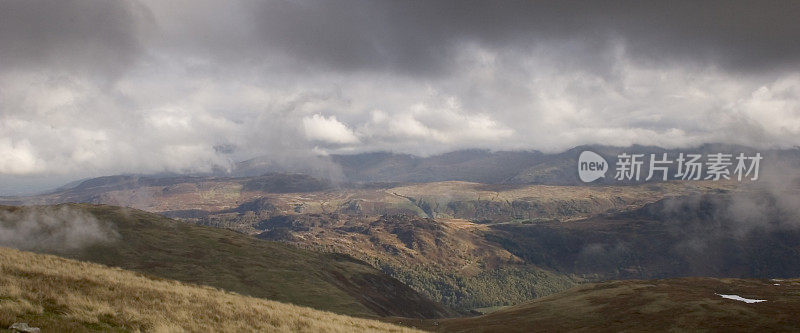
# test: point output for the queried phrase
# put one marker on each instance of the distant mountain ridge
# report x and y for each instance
(523, 167)
(493, 167)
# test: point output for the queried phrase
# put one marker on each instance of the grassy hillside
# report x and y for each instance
(54, 293)
(687, 304)
(166, 248)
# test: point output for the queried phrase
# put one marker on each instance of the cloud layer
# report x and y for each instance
(90, 88)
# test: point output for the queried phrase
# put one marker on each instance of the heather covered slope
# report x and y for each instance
(687, 304)
(57, 294)
(166, 248)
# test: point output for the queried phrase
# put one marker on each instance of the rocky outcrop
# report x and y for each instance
(23, 328)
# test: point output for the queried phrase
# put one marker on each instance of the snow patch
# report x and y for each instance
(740, 298)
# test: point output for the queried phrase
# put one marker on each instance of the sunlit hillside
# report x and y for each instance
(54, 293)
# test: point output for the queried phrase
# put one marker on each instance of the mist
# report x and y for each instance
(52, 229)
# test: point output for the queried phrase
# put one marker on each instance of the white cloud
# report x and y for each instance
(770, 114)
(18, 158)
(444, 124)
(328, 130)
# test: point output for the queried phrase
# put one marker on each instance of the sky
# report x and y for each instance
(92, 88)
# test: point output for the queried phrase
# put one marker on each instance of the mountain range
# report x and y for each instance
(452, 235)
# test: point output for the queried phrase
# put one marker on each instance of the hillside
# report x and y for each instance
(446, 259)
(750, 234)
(155, 245)
(687, 304)
(248, 200)
(430, 236)
(57, 294)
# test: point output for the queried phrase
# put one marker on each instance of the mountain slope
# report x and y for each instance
(688, 304)
(464, 165)
(749, 234)
(57, 294)
(166, 248)
(447, 260)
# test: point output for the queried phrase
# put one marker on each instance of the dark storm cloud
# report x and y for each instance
(420, 36)
(414, 37)
(95, 37)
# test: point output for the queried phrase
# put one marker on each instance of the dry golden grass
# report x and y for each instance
(61, 294)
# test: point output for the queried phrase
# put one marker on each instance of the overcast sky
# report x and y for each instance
(90, 88)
